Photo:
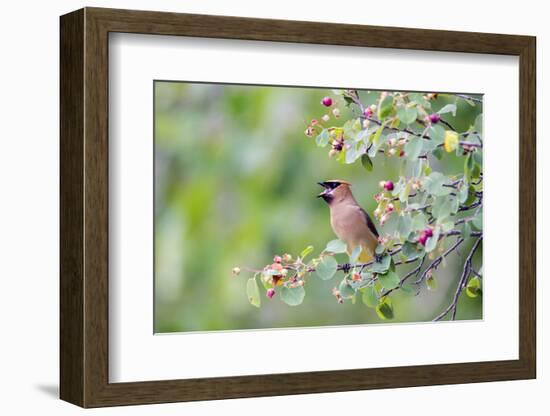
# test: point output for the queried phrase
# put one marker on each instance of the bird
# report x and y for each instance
(348, 220)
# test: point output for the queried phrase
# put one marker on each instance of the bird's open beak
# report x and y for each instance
(326, 191)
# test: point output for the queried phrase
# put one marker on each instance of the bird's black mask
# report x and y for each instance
(327, 193)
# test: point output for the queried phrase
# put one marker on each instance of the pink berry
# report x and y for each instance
(388, 186)
(434, 118)
(422, 238)
(429, 232)
(277, 259)
(270, 293)
(368, 112)
(327, 101)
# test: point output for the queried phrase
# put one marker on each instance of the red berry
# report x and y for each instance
(422, 238)
(327, 101)
(388, 186)
(401, 153)
(434, 118)
(270, 293)
(429, 232)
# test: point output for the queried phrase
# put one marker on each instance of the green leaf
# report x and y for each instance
(381, 266)
(384, 309)
(322, 138)
(306, 251)
(473, 289)
(442, 208)
(404, 226)
(352, 154)
(376, 138)
(389, 280)
(413, 148)
(447, 226)
(431, 243)
(434, 184)
(369, 296)
(438, 153)
(431, 283)
(385, 107)
(326, 268)
(345, 289)
(336, 246)
(292, 296)
(463, 193)
(419, 222)
(407, 115)
(253, 292)
(419, 99)
(366, 162)
(478, 125)
(411, 250)
(355, 254)
(437, 133)
(449, 108)
(465, 229)
(477, 222)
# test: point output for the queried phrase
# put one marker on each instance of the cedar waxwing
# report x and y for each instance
(349, 221)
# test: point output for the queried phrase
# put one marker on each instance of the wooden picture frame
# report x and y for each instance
(84, 207)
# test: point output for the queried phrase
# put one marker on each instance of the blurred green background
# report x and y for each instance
(235, 183)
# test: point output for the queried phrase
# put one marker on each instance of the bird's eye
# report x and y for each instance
(334, 185)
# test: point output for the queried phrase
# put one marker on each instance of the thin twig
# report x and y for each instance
(461, 283)
(467, 97)
(435, 264)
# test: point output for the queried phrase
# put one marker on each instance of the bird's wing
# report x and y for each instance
(369, 222)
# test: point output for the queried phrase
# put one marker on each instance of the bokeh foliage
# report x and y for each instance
(235, 182)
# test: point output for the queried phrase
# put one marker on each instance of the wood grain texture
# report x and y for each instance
(71, 185)
(84, 207)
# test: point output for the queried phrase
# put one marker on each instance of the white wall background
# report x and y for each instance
(29, 205)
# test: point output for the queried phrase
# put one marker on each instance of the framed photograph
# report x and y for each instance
(255, 207)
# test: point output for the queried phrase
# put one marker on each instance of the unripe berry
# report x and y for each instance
(389, 208)
(392, 151)
(377, 212)
(270, 293)
(388, 186)
(327, 101)
(336, 112)
(382, 184)
(332, 152)
(236, 271)
(314, 122)
(287, 257)
(325, 118)
(308, 132)
(355, 277)
(434, 118)
(366, 123)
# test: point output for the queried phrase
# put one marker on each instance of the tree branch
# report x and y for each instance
(461, 283)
